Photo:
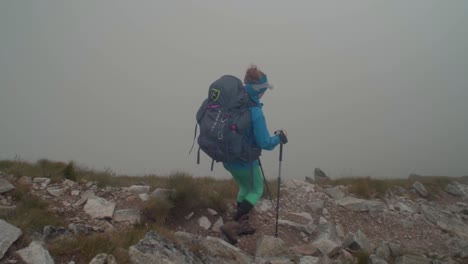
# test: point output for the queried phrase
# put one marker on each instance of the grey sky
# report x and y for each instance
(375, 88)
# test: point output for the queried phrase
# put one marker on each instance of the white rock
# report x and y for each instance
(187, 217)
(56, 191)
(5, 185)
(75, 193)
(212, 212)
(103, 258)
(144, 197)
(204, 222)
(322, 220)
(98, 207)
(35, 253)
(8, 235)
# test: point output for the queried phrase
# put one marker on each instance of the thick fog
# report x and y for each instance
(364, 88)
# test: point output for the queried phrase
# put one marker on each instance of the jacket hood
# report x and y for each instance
(255, 89)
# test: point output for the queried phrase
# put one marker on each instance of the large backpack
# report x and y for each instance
(224, 120)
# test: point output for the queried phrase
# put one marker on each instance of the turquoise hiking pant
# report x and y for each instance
(242, 177)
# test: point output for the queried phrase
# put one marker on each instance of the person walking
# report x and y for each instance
(248, 176)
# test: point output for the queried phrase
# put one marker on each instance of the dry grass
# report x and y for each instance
(116, 243)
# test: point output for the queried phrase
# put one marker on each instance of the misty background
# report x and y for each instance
(364, 88)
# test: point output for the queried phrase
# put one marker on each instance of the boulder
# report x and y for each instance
(420, 189)
(357, 242)
(8, 235)
(161, 193)
(456, 189)
(156, 249)
(320, 176)
(5, 185)
(35, 253)
(98, 207)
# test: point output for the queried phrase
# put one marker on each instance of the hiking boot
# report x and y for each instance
(231, 230)
(244, 227)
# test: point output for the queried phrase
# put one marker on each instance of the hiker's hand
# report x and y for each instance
(283, 135)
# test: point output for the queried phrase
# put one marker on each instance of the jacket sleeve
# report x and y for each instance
(260, 130)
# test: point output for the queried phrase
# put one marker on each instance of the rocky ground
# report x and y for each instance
(316, 225)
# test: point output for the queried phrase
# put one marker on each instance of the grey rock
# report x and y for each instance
(162, 193)
(211, 212)
(35, 253)
(217, 225)
(316, 206)
(306, 228)
(187, 217)
(144, 197)
(320, 176)
(309, 179)
(5, 185)
(360, 205)
(103, 259)
(357, 242)
(455, 189)
(80, 229)
(127, 215)
(374, 259)
(185, 239)
(274, 260)
(138, 189)
(383, 251)
(204, 222)
(56, 191)
(268, 246)
(40, 183)
(8, 235)
(412, 259)
(154, 248)
(84, 197)
(75, 193)
(463, 253)
(305, 216)
(406, 223)
(326, 247)
(322, 220)
(215, 250)
(335, 192)
(51, 232)
(420, 189)
(395, 250)
(98, 207)
(403, 207)
(309, 260)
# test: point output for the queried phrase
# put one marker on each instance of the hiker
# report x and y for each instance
(255, 84)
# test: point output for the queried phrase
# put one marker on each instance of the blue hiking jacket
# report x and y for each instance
(261, 136)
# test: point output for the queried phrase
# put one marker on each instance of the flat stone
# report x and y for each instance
(75, 193)
(5, 185)
(315, 206)
(307, 249)
(327, 247)
(127, 215)
(211, 212)
(35, 253)
(216, 250)
(98, 207)
(335, 192)
(56, 191)
(306, 228)
(360, 205)
(8, 235)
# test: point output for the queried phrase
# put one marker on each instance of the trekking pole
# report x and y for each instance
(279, 182)
(266, 183)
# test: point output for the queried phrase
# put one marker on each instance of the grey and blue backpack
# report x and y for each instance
(225, 123)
